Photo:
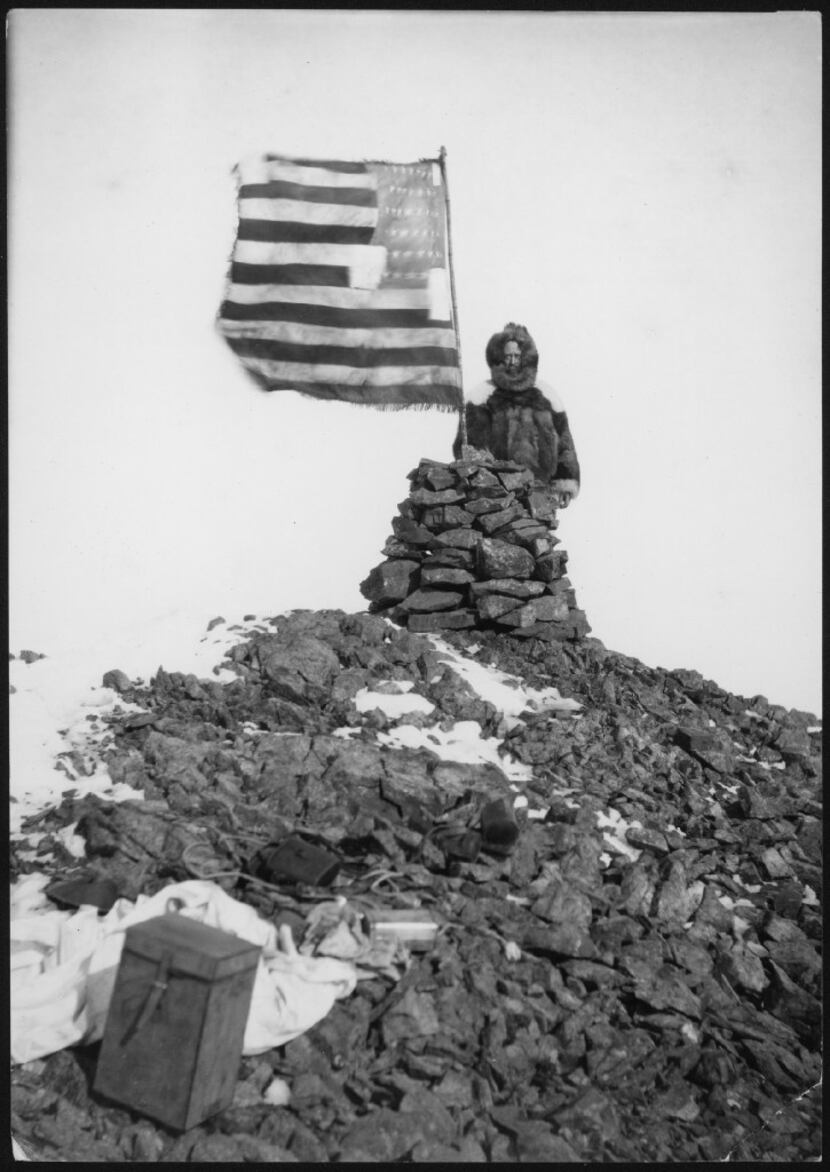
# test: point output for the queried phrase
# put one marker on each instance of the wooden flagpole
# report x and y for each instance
(442, 160)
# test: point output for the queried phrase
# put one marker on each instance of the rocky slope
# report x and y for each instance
(638, 980)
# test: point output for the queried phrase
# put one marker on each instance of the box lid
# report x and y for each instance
(191, 948)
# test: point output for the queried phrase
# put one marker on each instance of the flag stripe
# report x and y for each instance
(286, 231)
(330, 315)
(278, 165)
(257, 252)
(252, 296)
(301, 211)
(277, 189)
(338, 165)
(281, 189)
(287, 171)
(373, 337)
(346, 356)
(379, 376)
(245, 274)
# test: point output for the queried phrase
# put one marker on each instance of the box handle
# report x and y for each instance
(155, 995)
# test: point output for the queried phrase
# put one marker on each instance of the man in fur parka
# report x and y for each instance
(522, 419)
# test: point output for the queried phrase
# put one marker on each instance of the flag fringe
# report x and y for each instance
(262, 385)
(445, 408)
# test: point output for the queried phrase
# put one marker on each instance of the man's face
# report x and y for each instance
(512, 357)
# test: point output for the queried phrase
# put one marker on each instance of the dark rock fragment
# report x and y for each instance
(445, 576)
(498, 559)
(490, 607)
(461, 559)
(514, 587)
(467, 539)
(117, 680)
(426, 601)
(444, 620)
(547, 609)
(647, 839)
(301, 669)
(412, 534)
(390, 582)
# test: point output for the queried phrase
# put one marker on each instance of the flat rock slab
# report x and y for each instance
(445, 620)
(549, 608)
(432, 600)
(515, 587)
(499, 559)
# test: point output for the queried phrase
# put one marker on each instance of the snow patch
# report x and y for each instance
(393, 706)
(461, 742)
(613, 827)
(505, 692)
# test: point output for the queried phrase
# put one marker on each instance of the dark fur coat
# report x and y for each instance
(523, 426)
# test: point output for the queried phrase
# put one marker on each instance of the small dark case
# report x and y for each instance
(499, 829)
(297, 861)
(176, 1022)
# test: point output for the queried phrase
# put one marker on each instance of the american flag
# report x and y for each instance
(339, 282)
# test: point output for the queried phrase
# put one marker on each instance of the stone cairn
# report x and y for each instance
(473, 546)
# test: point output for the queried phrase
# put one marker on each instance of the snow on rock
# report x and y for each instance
(58, 700)
(393, 705)
(461, 742)
(506, 692)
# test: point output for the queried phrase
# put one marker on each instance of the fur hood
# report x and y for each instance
(525, 378)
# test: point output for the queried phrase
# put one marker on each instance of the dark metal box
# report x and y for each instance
(176, 1023)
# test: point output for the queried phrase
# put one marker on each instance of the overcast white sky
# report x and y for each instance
(641, 190)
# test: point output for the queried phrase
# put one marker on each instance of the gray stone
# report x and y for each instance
(775, 865)
(516, 481)
(547, 632)
(301, 669)
(478, 506)
(444, 576)
(379, 1138)
(547, 609)
(439, 478)
(399, 549)
(430, 600)
(444, 620)
(411, 533)
(446, 517)
(487, 491)
(495, 606)
(499, 559)
(518, 588)
(390, 582)
(461, 559)
(119, 681)
(552, 565)
(456, 538)
(483, 478)
(423, 498)
(540, 505)
(491, 522)
(646, 839)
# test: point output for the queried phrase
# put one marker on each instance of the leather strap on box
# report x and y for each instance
(157, 988)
